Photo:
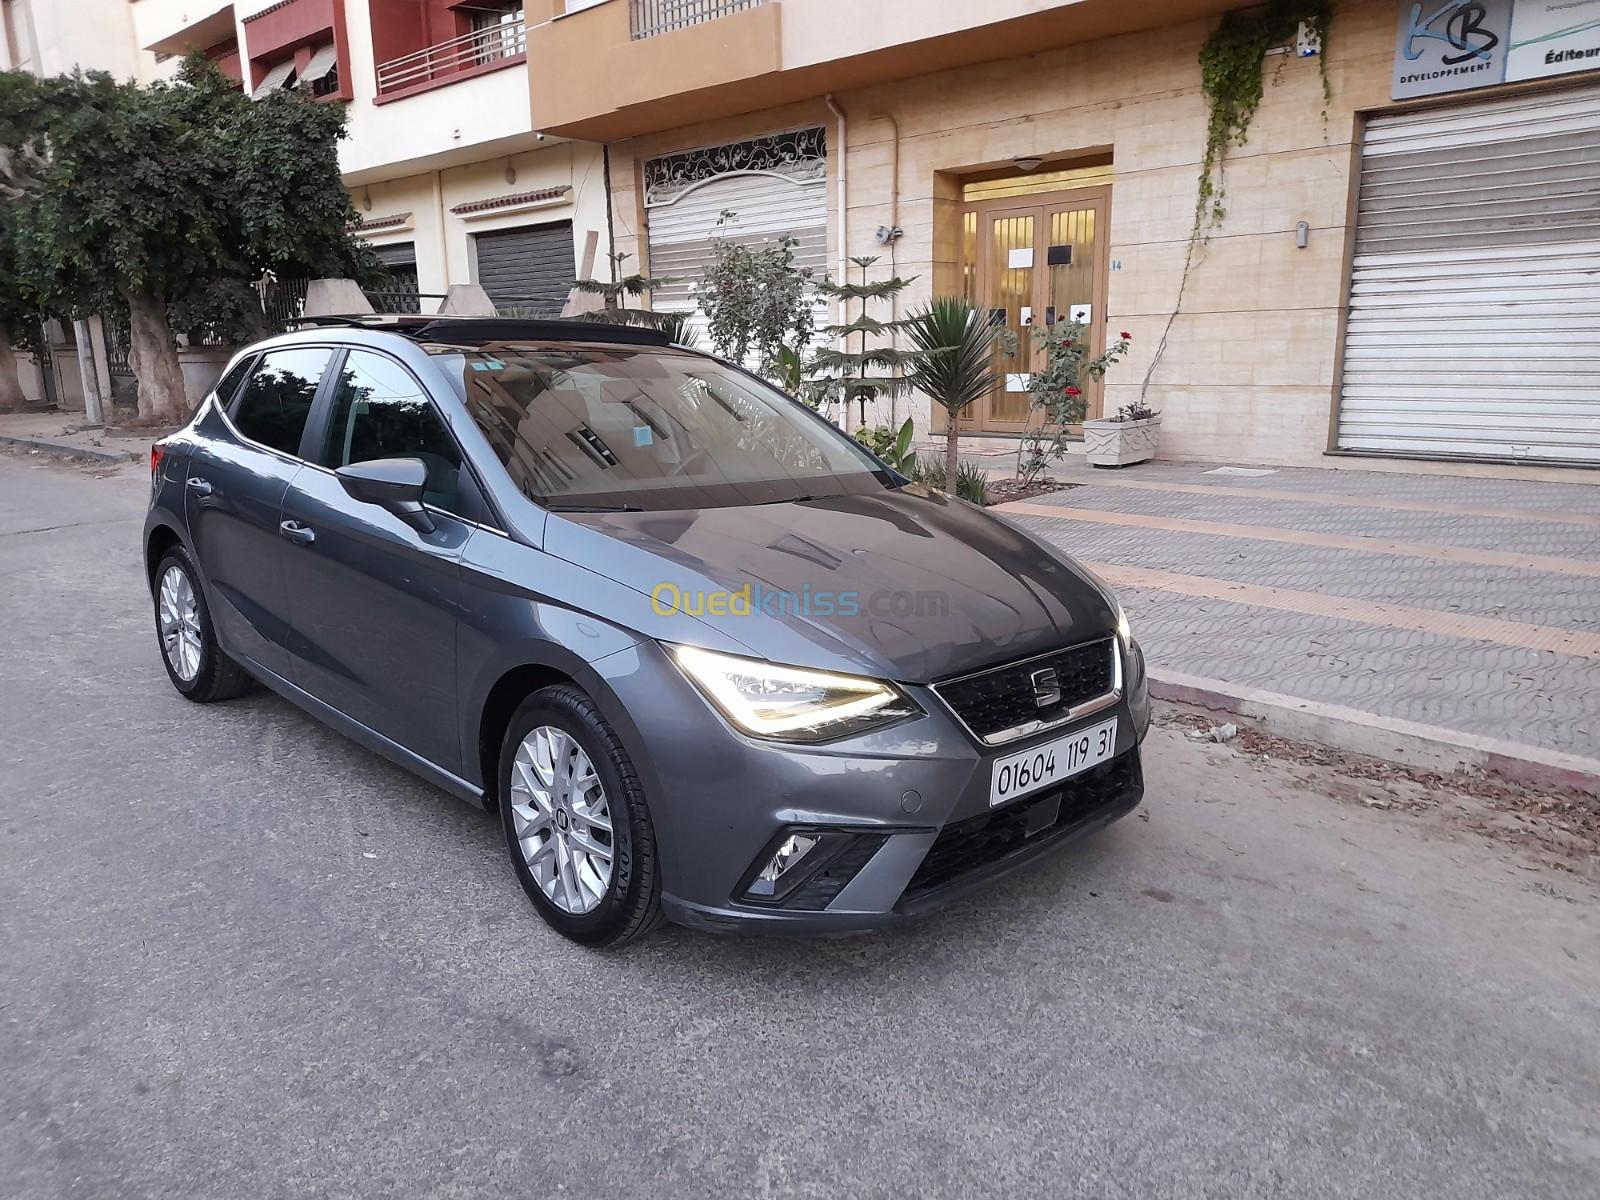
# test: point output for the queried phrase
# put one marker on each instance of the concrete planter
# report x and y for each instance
(202, 366)
(1120, 443)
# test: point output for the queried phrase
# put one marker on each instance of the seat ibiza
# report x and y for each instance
(703, 655)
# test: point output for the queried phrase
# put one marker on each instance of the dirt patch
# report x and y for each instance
(1559, 828)
(1004, 491)
(97, 467)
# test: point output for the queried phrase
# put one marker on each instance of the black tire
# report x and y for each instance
(631, 906)
(218, 676)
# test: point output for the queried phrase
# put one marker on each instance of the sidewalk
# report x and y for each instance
(1463, 609)
(62, 434)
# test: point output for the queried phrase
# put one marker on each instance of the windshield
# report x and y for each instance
(604, 427)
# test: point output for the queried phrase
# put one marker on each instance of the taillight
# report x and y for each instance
(157, 453)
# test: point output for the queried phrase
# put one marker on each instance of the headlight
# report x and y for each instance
(791, 704)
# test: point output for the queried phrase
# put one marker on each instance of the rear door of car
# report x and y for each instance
(375, 603)
(239, 471)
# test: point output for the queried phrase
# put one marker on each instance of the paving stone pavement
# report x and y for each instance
(1359, 659)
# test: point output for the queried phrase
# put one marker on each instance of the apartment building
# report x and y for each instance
(452, 181)
(1407, 267)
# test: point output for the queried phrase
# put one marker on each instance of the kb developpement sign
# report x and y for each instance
(1452, 45)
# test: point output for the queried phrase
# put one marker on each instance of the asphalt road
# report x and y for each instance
(240, 957)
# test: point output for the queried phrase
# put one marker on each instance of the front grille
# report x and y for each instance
(996, 703)
(984, 840)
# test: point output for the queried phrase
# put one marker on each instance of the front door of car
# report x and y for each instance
(373, 602)
(238, 475)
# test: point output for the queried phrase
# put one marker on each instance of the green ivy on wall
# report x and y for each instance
(1233, 80)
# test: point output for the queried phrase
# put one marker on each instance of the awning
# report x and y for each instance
(276, 78)
(323, 60)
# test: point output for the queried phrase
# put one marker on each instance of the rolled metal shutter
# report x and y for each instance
(1474, 323)
(397, 254)
(527, 271)
(764, 206)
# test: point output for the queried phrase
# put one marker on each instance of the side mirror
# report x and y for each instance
(395, 484)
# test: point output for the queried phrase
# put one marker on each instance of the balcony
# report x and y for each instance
(649, 18)
(485, 49)
(610, 70)
(174, 27)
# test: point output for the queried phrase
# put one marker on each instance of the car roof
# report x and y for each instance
(436, 332)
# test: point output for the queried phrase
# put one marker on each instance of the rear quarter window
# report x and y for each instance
(276, 402)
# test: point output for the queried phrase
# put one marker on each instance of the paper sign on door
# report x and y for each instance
(1017, 383)
(1080, 313)
(1019, 259)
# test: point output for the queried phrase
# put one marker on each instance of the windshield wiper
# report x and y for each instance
(788, 500)
(593, 508)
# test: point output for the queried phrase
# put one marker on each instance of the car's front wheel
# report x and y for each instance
(576, 822)
(195, 662)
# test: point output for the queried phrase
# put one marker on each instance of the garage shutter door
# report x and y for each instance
(765, 206)
(1474, 324)
(527, 271)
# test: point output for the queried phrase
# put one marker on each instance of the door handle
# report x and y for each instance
(200, 486)
(297, 532)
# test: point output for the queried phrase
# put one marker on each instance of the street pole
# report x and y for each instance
(93, 408)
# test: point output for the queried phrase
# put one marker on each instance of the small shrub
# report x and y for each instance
(893, 446)
(972, 484)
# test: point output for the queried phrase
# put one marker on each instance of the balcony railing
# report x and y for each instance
(478, 48)
(647, 18)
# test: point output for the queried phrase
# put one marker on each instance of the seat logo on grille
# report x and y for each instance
(1046, 687)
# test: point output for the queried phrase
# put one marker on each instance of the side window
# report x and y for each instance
(228, 386)
(380, 411)
(275, 403)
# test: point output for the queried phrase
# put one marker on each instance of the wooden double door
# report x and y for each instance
(1033, 261)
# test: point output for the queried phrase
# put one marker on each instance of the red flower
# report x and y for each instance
(1127, 337)
(1072, 391)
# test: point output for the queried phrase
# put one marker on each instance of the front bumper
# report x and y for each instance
(914, 797)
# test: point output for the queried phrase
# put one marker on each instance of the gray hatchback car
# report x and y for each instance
(704, 655)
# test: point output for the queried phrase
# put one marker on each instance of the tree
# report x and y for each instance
(19, 314)
(24, 104)
(169, 202)
(756, 302)
(957, 363)
(858, 374)
(614, 295)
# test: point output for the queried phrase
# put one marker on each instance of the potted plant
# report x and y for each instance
(1124, 439)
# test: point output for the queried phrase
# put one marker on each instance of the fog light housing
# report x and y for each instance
(806, 868)
(789, 855)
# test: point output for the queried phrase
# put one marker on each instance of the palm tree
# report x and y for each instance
(955, 364)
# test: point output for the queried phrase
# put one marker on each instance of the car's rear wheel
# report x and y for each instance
(195, 662)
(576, 822)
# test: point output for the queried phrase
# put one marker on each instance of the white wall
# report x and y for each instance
(93, 34)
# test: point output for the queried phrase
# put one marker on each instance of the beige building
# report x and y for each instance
(1408, 277)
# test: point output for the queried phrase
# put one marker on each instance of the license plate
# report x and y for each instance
(1032, 770)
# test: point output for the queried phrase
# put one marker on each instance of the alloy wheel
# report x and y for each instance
(562, 820)
(178, 616)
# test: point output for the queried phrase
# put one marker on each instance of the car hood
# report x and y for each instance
(905, 584)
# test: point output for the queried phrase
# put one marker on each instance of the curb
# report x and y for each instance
(1416, 745)
(68, 449)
